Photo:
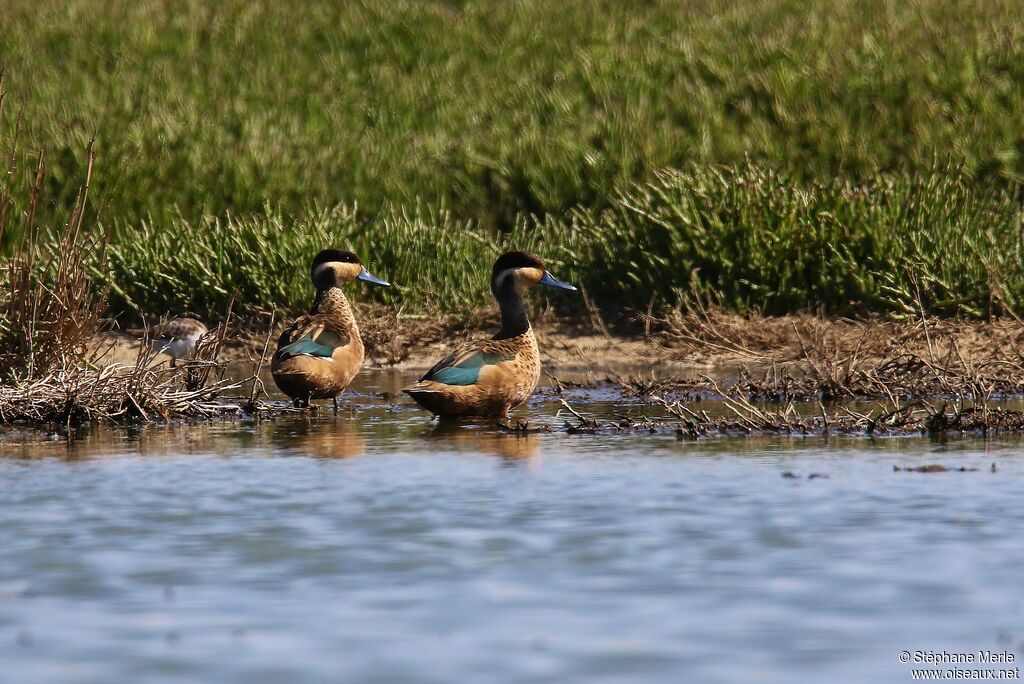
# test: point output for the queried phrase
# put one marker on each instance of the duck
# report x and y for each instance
(320, 353)
(177, 337)
(489, 378)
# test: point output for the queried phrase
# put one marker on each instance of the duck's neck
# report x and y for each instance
(514, 321)
(332, 302)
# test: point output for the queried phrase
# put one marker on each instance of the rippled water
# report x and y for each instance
(375, 546)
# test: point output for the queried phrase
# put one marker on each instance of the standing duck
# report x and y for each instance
(320, 353)
(491, 377)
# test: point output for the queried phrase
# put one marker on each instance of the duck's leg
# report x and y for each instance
(334, 399)
(503, 418)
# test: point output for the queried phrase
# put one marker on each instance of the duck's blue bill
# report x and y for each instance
(368, 277)
(552, 281)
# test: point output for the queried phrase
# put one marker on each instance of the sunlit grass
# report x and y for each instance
(497, 109)
(752, 239)
(434, 261)
(743, 236)
(842, 155)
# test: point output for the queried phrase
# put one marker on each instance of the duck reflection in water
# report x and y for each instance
(456, 436)
(338, 438)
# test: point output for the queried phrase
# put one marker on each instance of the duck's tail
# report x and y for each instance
(420, 387)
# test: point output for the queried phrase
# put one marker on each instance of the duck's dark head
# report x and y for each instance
(334, 267)
(519, 271)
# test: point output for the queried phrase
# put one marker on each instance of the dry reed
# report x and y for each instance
(52, 368)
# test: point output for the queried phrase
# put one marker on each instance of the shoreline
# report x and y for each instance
(703, 340)
(926, 375)
(560, 348)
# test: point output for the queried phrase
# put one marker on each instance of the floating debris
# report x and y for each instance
(790, 475)
(932, 468)
(743, 417)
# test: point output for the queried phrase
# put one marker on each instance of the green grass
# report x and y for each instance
(751, 239)
(435, 261)
(497, 109)
(741, 235)
(839, 155)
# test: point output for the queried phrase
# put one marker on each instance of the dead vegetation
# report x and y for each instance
(391, 337)
(808, 374)
(80, 387)
(51, 308)
(740, 416)
(47, 383)
(700, 330)
(52, 353)
(75, 395)
(807, 357)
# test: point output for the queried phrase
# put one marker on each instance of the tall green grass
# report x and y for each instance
(753, 239)
(435, 262)
(497, 109)
(841, 155)
(744, 236)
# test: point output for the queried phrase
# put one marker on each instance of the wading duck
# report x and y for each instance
(320, 353)
(491, 377)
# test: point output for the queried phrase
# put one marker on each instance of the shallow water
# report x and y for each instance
(375, 546)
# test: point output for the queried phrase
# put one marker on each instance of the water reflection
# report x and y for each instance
(336, 437)
(483, 438)
(136, 440)
(241, 551)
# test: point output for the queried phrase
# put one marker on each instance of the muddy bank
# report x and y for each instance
(708, 341)
(925, 375)
(414, 343)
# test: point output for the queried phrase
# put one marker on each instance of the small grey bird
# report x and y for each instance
(177, 337)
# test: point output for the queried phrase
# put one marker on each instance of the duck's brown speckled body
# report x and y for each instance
(489, 378)
(306, 376)
(499, 388)
(320, 353)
